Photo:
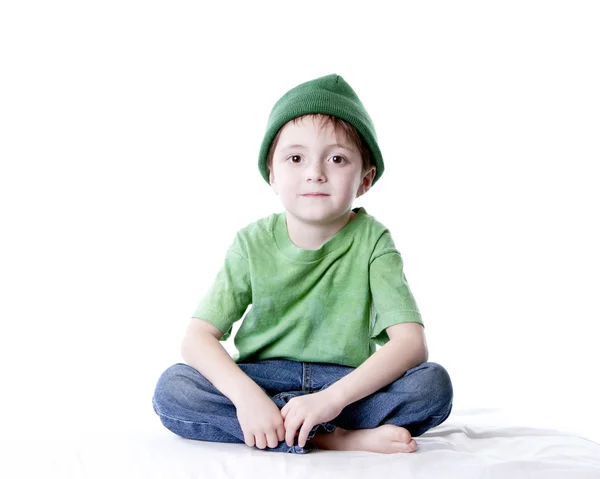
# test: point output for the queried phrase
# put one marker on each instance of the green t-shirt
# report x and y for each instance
(328, 305)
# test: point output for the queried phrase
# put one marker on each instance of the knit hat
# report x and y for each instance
(329, 95)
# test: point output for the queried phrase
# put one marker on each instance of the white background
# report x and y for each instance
(129, 134)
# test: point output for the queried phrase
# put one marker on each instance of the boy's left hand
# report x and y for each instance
(304, 412)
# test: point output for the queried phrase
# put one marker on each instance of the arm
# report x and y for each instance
(202, 350)
(259, 417)
(406, 349)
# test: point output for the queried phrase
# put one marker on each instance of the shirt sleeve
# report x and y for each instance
(230, 294)
(392, 300)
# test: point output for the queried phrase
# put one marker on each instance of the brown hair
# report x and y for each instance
(339, 125)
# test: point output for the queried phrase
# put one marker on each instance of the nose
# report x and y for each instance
(315, 173)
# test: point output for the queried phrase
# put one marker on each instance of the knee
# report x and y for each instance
(435, 385)
(177, 384)
(175, 377)
(436, 378)
(432, 384)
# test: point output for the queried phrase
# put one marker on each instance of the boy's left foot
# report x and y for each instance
(386, 439)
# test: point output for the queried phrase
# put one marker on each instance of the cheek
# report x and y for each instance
(352, 181)
(284, 177)
(284, 183)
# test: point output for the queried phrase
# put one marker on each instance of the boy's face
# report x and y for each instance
(317, 173)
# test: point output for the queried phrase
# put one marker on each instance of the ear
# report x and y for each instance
(272, 181)
(367, 181)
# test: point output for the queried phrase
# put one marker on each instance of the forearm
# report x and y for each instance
(386, 365)
(205, 353)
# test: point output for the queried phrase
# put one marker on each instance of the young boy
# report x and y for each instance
(326, 284)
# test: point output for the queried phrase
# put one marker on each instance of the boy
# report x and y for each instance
(326, 285)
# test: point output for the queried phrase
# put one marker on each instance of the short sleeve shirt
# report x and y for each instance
(328, 305)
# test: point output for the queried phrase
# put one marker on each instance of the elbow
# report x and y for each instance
(423, 352)
(183, 350)
(196, 337)
(410, 353)
(187, 347)
(425, 355)
(420, 353)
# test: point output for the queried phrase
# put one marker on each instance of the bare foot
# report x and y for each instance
(387, 439)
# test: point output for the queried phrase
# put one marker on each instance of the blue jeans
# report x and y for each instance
(190, 406)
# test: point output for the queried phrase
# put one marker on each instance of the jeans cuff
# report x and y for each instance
(323, 427)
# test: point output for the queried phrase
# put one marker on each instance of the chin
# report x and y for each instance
(317, 218)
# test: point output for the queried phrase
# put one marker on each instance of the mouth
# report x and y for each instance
(314, 195)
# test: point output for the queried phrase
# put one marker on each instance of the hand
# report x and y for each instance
(260, 420)
(307, 411)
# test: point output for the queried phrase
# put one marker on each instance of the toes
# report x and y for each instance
(402, 435)
(407, 447)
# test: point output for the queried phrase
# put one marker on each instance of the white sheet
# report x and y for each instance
(470, 444)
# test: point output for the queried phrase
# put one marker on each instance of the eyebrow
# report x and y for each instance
(333, 145)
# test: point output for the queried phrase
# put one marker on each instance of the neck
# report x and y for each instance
(312, 236)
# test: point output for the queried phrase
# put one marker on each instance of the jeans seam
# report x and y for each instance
(303, 377)
(156, 409)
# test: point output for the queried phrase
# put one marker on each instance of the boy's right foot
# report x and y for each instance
(386, 439)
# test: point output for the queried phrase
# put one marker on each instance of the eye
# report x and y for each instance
(295, 158)
(338, 160)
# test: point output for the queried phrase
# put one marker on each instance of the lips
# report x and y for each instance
(315, 194)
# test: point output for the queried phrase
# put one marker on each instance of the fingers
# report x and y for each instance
(261, 440)
(290, 434)
(249, 439)
(272, 440)
(291, 430)
(304, 432)
(292, 424)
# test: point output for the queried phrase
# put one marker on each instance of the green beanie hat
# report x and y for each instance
(329, 95)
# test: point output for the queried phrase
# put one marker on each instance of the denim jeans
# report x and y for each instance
(190, 406)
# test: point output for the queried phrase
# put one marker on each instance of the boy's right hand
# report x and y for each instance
(260, 420)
